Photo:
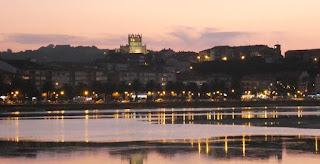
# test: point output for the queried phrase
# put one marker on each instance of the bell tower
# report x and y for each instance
(135, 40)
(277, 49)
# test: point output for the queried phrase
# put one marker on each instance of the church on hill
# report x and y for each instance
(134, 45)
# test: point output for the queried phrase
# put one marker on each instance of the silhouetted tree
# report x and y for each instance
(109, 89)
(150, 86)
(122, 88)
(81, 88)
(4, 88)
(204, 89)
(179, 87)
(48, 87)
(69, 91)
(192, 87)
(169, 88)
(97, 87)
(137, 87)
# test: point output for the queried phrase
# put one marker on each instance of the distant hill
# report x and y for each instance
(58, 53)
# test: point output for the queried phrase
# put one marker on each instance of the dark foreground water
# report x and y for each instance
(201, 135)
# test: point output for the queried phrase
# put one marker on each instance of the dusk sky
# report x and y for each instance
(178, 24)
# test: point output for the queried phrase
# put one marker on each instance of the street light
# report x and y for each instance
(315, 59)
(86, 93)
(62, 93)
(224, 58)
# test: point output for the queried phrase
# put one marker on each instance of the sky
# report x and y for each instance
(183, 25)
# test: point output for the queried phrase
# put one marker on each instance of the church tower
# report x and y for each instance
(135, 40)
(277, 49)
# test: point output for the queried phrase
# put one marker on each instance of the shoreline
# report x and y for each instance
(153, 105)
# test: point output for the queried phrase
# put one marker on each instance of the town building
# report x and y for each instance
(61, 77)
(317, 85)
(312, 55)
(221, 78)
(257, 83)
(224, 53)
(299, 80)
(7, 72)
(175, 65)
(193, 77)
(144, 76)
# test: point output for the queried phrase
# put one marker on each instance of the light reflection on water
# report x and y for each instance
(224, 149)
(250, 116)
(242, 149)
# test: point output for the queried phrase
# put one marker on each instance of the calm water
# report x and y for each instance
(185, 135)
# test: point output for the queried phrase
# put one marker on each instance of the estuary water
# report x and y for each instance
(175, 135)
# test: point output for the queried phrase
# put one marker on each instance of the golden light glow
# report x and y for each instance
(172, 118)
(207, 146)
(191, 142)
(62, 93)
(149, 115)
(265, 114)
(315, 59)
(299, 113)
(316, 144)
(244, 145)
(115, 94)
(209, 116)
(16, 113)
(199, 146)
(191, 67)
(16, 139)
(17, 92)
(224, 58)
(86, 93)
(243, 57)
(116, 115)
(226, 144)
